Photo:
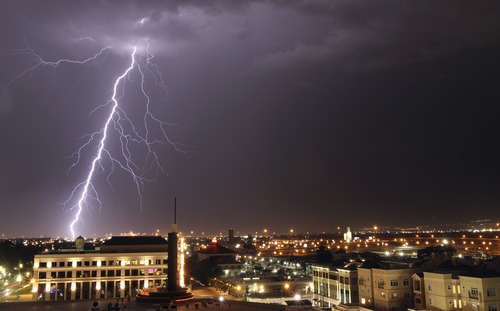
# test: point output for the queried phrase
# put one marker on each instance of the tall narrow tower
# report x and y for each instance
(173, 274)
(173, 291)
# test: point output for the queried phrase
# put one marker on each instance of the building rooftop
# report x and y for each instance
(135, 240)
(482, 272)
(216, 248)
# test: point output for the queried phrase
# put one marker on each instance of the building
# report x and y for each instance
(118, 268)
(418, 291)
(480, 291)
(384, 286)
(441, 291)
(333, 285)
(223, 257)
(457, 288)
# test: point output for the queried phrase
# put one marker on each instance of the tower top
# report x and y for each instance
(174, 225)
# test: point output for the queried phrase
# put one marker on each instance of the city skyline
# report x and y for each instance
(303, 115)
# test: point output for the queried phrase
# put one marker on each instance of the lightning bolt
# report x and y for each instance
(31, 55)
(87, 183)
(117, 121)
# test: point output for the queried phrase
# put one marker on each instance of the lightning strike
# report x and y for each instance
(87, 182)
(117, 121)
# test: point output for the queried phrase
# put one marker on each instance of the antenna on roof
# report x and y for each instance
(174, 225)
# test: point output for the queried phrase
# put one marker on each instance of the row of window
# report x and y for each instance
(395, 295)
(90, 290)
(474, 291)
(102, 273)
(342, 279)
(95, 263)
(381, 283)
(341, 295)
(393, 283)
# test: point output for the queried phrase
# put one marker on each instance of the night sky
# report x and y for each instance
(299, 114)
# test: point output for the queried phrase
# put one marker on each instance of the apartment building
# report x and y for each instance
(385, 286)
(418, 291)
(457, 287)
(441, 291)
(480, 291)
(333, 285)
(118, 268)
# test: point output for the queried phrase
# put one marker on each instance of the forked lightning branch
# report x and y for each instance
(85, 194)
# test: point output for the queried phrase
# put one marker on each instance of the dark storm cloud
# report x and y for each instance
(365, 34)
(298, 110)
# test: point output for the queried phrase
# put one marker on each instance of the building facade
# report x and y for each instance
(223, 257)
(119, 268)
(335, 285)
(448, 291)
(387, 288)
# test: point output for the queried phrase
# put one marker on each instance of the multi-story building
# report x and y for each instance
(418, 291)
(457, 287)
(480, 291)
(223, 257)
(118, 268)
(441, 291)
(365, 286)
(335, 285)
(385, 287)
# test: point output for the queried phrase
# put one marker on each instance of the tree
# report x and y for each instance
(427, 252)
(204, 270)
(323, 255)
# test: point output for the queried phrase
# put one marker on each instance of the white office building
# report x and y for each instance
(118, 268)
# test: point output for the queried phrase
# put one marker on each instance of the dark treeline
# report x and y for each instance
(12, 254)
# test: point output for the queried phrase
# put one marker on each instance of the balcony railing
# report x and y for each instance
(474, 295)
(381, 285)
